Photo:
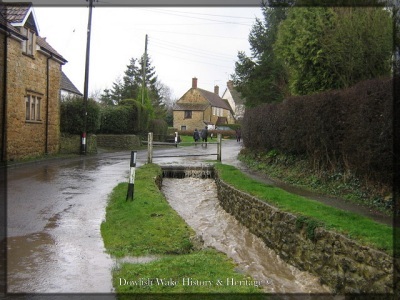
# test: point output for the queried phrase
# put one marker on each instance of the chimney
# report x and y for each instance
(194, 83)
(216, 90)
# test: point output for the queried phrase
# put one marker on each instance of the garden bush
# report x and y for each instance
(72, 112)
(159, 128)
(129, 117)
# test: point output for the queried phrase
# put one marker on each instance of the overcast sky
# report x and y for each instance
(183, 42)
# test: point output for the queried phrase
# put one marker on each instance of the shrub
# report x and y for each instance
(349, 129)
(224, 133)
(117, 120)
(129, 117)
(72, 112)
(159, 129)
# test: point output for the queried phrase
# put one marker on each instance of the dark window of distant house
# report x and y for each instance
(28, 45)
(32, 107)
(188, 114)
(183, 127)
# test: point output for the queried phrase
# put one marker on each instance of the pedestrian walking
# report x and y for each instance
(204, 135)
(238, 135)
(196, 135)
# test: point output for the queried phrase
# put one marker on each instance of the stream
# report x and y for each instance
(197, 203)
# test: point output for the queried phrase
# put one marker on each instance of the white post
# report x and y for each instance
(131, 186)
(176, 139)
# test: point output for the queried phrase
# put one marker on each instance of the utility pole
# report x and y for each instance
(144, 69)
(85, 89)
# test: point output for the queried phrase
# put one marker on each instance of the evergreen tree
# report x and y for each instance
(333, 48)
(262, 78)
(130, 87)
(131, 80)
(152, 89)
(106, 98)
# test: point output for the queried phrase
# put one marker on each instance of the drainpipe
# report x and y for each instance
(4, 123)
(46, 148)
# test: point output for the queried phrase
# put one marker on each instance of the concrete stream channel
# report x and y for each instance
(54, 243)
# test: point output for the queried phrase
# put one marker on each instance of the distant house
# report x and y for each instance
(198, 108)
(68, 89)
(235, 100)
(30, 88)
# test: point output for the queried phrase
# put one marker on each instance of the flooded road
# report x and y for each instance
(196, 201)
(54, 214)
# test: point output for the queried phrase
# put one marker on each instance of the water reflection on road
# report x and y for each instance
(54, 214)
(196, 201)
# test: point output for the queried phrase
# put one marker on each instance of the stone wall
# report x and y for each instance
(339, 262)
(71, 144)
(118, 141)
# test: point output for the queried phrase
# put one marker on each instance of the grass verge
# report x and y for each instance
(354, 226)
(148, 225)
(338, 183)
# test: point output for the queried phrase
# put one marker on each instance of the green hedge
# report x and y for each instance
(72, 113)
(348, 130)
(159, 128)
(129, 117)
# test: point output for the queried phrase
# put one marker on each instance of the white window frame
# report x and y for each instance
(33, 105)
(28, 45)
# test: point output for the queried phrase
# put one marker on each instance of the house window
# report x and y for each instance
(188, 114)
(183, 127)
(32, 107)
(27, 46)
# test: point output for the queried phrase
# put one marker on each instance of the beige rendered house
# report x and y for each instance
(235, 100)
(31, 72)
(198, 108)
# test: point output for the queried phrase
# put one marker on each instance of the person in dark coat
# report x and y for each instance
(196, 135)
(238, 135)
(204, 135)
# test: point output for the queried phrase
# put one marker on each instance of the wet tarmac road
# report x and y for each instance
(54, 212)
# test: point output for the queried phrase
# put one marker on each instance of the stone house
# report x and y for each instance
(198, 108)
(235, 100)
(31, 75)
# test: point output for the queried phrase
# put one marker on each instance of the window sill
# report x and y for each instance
(28, 55)
(33, 122)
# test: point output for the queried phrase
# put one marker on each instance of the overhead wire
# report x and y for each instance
(189, 59)
(199, 18)
(196, 13)
(183, 48)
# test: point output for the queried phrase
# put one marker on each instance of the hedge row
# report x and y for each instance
(215, 132)
(159, 129)
(72, 116)
(130, 117)
(349, 129)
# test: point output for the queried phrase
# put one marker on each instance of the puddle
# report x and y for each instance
(136, 259)
(196, 201)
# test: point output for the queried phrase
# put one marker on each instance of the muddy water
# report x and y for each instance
(196, 201)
